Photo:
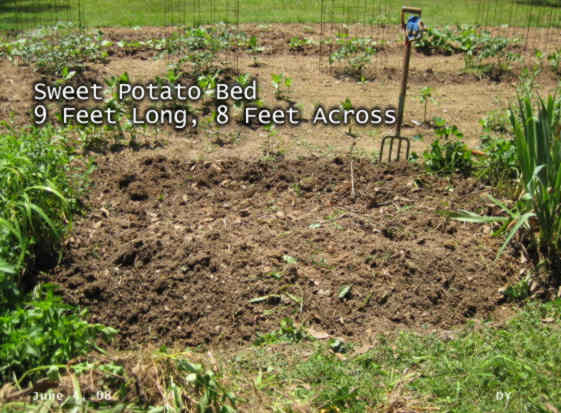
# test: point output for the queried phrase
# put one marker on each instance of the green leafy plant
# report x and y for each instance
(474, 43)
(52, 50)
(298, 43)
(499, 167)
(271, 151)
(444, 131)
(37, 197)
(436, 41)
(279, 81)
(190, 386)
(254, 50)
(555, 61)
(452, 156)
(200, 46)
(207, 83)
(288, 332)
(44, 331)
(355, 51)
(496, 121)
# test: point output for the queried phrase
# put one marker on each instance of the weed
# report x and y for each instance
(496, 121)
(453, 156)
(500, 167)
(288, 332)
(44, 332)
(518, 291)
(419, 372)
(181, 379)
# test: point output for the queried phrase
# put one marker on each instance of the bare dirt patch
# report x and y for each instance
(216, 252)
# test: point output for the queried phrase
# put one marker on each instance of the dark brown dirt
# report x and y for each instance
(175, 251)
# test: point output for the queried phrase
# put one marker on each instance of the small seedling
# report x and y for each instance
(280, 80)
(347, 105)
(269, 146)
(425, 97)
(66, 75)
(207, 83)
(254, 50)
(344, 291)
(555, 61)
(296, 43)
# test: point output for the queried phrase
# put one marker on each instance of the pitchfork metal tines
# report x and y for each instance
(413, 31)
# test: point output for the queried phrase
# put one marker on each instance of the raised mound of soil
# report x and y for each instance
(200, 252)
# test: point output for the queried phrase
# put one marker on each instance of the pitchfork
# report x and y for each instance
(414, 31)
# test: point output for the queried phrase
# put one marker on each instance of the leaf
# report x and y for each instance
(263, 298)
(522, 220)
(6, 268)
(468, 216)
(294, 298)
(318, 335)
(191, 378)
(344, 291)
(289, 260)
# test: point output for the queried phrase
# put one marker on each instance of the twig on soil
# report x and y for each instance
(353, 193)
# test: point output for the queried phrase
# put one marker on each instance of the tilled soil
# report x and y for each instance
(186, 252)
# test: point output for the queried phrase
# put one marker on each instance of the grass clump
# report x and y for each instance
(537, 208)
(39, 191)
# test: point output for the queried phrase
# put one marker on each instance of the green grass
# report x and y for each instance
(158, 13)
(463, 374)
(513, 366)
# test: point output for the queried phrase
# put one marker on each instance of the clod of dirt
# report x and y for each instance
(137, 192)
(308, 183)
